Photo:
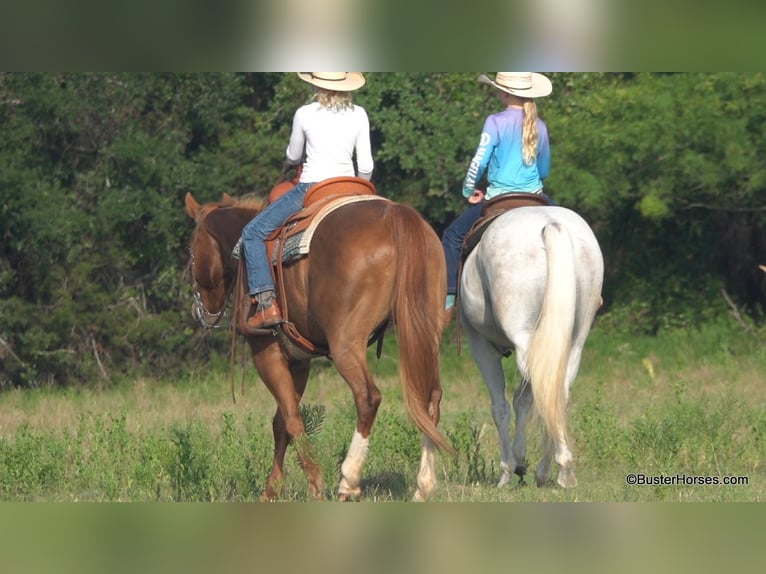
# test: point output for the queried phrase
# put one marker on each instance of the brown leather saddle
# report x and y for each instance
(284, 245)
(315, 204)
(494, 208)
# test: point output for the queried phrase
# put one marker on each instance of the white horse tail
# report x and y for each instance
(550, 344)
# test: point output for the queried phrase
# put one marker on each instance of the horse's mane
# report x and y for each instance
(249, 203)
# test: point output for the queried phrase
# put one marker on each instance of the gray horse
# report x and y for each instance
(532, 285)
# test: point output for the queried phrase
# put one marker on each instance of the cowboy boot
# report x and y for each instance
(266, 315)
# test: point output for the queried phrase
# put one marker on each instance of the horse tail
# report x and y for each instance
(417, 304)
(551, 343)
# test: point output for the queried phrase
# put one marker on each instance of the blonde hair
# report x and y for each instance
(332, 100)
(529, 132)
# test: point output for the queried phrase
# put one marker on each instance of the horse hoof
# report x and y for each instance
(566, 479)
(419, 496)
(349, 495)
(541, 481)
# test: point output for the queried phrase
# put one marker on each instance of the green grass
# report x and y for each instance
(681, 403)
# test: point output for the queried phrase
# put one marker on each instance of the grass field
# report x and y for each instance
(680, 405)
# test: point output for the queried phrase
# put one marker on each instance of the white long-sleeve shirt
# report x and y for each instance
(330, 139)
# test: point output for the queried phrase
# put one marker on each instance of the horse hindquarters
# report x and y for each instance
(369, 262)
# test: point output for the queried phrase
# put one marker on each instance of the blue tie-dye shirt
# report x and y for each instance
(500, 152)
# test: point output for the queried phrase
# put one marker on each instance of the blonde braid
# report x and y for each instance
(529, 132)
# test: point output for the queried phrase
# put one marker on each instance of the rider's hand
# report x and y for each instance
(476, 197)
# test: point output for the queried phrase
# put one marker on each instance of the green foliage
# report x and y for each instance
(105, 460)
(425, 128)
(97, 165)
(313, 418)
(31, 464)
(669, 301)
(667, 168)
(470, 465)
(394, 444)
(599, 433)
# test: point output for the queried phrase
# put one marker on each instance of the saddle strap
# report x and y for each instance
(288, 327)
(301, 342)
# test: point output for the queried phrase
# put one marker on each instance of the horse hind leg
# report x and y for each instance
(566, 477)
(427, 472)
(544, 470)
(522, 406)
(557, 448)
(553, 447)
(351, 469)
(489, 361)
(352, 366)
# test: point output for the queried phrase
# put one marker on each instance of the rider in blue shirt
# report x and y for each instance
(514, 152)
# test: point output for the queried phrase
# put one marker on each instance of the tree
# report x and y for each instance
(667, 168)
(94, 168)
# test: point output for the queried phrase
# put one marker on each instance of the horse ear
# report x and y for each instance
(226, 199)
(192, 206)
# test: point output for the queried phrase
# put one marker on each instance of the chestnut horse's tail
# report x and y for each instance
(417, 305)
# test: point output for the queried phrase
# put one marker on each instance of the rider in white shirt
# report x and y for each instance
(328, 133)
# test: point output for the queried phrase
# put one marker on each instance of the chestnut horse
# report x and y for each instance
(370, 262)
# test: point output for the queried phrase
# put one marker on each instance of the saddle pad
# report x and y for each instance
(291, 250)
(298, 244)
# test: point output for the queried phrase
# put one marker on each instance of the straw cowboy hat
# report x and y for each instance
(336, 81)
(522, 84)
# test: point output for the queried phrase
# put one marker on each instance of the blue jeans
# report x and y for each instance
(259, 228)
(452, 242)
(453, 236)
